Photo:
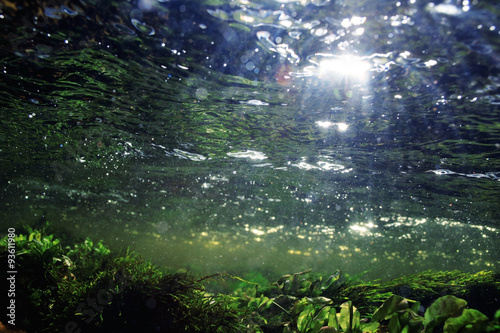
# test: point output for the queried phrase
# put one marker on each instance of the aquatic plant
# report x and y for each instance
(481, 290)
(315, 317)
(298, 303)
(446, 314)
(401, 316)
(85, 287)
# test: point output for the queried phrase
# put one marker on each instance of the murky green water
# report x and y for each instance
(272, 136)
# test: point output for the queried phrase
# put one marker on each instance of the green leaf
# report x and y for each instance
(442, 309)
(305, 318)
(370, 327)
(315, 326)
(392, 304)
(299, 306)
(415, 306)
(394, 325)
(356, 320)
(471, 321)
(332, 319)
(333, 279)
(346, 312)
(323, 314)
(268, 303)
(260, 303)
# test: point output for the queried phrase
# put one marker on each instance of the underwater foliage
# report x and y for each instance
(395, 314)
(85, 288)
(480, 290)
(306, 302)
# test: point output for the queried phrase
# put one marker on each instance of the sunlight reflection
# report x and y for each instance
(446, 9)
(346, 66)
(342, 127)
(355, 20)
(251, 154)
(363, 229)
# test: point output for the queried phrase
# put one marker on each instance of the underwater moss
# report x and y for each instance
(84, 288)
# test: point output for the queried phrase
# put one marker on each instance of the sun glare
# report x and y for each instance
(342, 127)
(346, 66)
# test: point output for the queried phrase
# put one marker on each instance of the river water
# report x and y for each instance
(268, 136)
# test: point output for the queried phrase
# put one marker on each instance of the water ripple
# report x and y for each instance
(487, 175)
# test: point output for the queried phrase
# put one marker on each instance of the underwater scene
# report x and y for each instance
(219, 146)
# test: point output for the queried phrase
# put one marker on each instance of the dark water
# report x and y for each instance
(258, 135)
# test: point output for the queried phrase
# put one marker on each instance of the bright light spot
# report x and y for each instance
(430, 63)
(358, 229)
(358, 31)
(330, 166)
(349, 66)
(355, 20)
(258, 232)
(251, 154)
(446, 9)
(342, 127)
(319, 32)
(405, 54)
(247, 19)
(324, 124)
(305, 166)
(255, 102)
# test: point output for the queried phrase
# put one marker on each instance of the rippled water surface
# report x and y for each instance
(246, 135)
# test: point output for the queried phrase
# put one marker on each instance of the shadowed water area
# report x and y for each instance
(269, 136)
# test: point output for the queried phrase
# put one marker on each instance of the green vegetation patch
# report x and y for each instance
(83, 287)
